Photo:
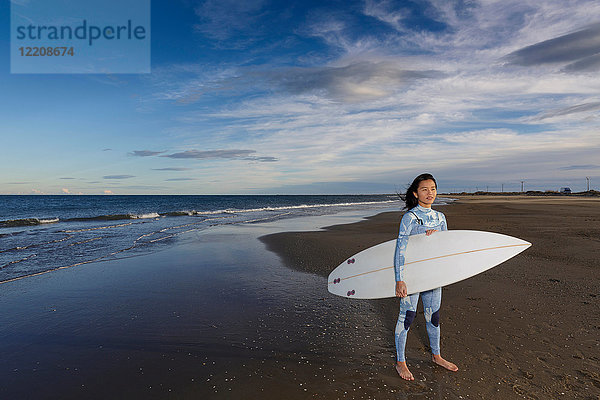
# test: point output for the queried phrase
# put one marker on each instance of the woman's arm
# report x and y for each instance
(406, 225)
(444, 224)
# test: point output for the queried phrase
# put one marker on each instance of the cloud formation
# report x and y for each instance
(172, 169)
(201, 155)
(357, 81)
(579, 108)
(118, 176)
(581, 49)
(580, 167)
(145, 153)
(380, 90)
(587, 64)
(262, 159)
(220, 154)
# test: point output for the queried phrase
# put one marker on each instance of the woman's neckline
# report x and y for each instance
(420, 207)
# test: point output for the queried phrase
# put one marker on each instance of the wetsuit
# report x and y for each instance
(417, 220)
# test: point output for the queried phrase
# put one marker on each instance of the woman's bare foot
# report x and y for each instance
(403, 371)
(436, 358)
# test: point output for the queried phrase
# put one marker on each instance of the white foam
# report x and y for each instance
(48, 221)
(298, 207)
(143, 216)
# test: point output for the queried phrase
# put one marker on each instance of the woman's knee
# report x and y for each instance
(409, 317)
(432, 317)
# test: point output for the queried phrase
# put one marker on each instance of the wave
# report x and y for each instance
(300, 206)
(191, 213)
(270, 218)
(18, 261)
(115, 217)
(67, 237)
(443, 201)
(136, 243)
(9, 223)
(180, 213)
(185, 212)
(144, 216)
(100, 227)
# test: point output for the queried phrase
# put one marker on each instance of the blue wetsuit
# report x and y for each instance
(417, 220)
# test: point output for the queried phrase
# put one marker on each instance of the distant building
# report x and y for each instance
(565, 190)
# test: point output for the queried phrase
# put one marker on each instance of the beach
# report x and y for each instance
(529, 328)
(242, 311)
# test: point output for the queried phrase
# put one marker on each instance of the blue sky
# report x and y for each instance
(285, 97)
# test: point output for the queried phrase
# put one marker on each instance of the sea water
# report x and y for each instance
(40, 234)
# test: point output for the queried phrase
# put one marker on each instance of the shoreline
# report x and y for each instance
(523, 328)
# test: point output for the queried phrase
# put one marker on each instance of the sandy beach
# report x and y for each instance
(529, 328)
(244, 312)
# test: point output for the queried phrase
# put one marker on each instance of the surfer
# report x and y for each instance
(420, 218)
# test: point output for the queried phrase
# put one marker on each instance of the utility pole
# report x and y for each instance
(587, 178)
(503, 188)
(522, 185)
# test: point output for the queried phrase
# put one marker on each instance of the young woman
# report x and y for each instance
(420, 218)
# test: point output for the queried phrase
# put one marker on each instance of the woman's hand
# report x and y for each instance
(401, 290)
(430, 231)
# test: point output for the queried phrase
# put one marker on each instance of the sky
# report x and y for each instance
(319, 97)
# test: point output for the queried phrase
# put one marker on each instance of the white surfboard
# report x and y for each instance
(431, 261)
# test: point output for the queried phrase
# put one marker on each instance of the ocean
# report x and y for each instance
(41, 234)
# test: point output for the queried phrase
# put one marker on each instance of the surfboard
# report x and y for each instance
(431, 261)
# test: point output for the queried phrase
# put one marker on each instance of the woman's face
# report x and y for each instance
(426, 193)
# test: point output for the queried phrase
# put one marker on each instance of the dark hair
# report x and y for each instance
(409, 198)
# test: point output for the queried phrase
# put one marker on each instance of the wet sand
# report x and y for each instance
(529, 328)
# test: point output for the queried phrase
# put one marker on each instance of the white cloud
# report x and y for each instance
(402, 101)
(387, 12)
